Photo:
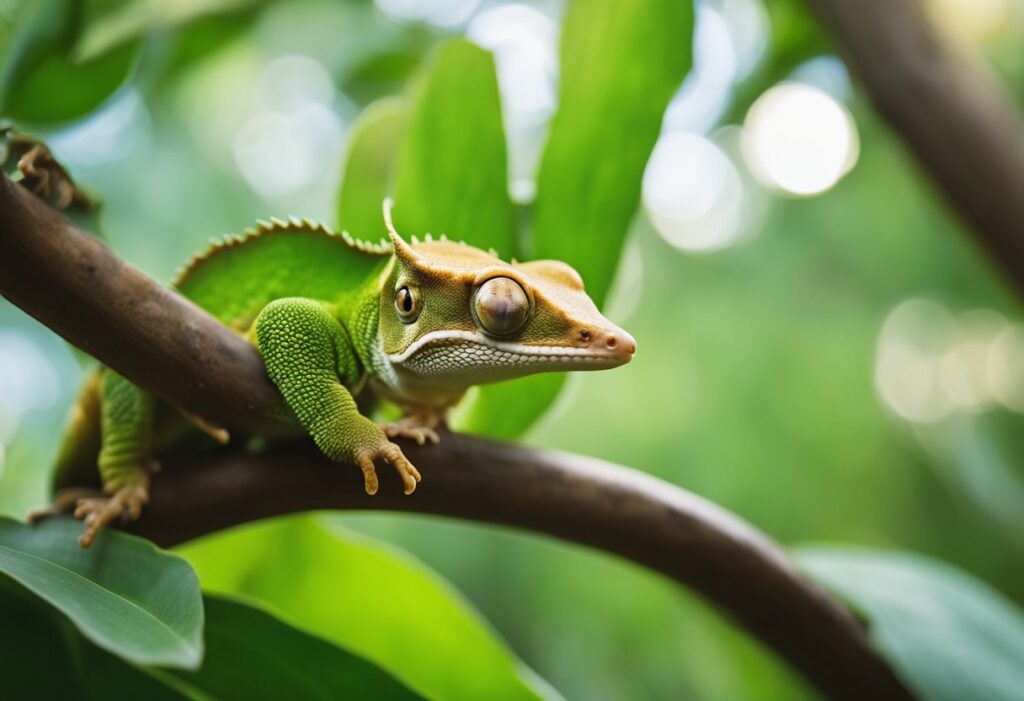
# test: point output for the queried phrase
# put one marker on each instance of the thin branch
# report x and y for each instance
(950, 110)
(83, 291)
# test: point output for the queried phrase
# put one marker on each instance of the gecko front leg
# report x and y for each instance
(309, 356)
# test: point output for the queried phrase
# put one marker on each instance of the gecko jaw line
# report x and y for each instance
(443, 336)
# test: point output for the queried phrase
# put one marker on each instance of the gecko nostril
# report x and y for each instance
(612, 341)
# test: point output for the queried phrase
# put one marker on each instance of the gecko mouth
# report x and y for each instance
(466, 353)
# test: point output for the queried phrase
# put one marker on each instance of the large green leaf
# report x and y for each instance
(42, 656)
(452, 174)
(621, 62)
(453, 178)
(949, 636)
(369, 164)
(252, 656)
(124, 593)
(367, 598)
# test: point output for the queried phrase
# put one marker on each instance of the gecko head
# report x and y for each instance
(455, 315)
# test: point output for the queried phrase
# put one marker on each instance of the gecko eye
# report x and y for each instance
(407, 303)
(501, 306)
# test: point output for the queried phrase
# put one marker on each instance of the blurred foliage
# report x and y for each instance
(126, 596)
(328, 582)
(948, 635)
(588, 184)
(249, 656)
(252, 655)
(753, 385)
(453, 153)
(366, 181)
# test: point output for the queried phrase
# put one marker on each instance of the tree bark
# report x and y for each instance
(79, 288)
(949, 109)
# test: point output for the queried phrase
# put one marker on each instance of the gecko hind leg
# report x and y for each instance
(125, 463)
(64, 502)
(124, 503)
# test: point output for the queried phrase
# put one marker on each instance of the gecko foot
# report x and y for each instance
(390, 453)
(420, 428)
(64, 502)
(125, 503)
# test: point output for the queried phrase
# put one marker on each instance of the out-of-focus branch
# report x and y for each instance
(948, 108)
(82, 290)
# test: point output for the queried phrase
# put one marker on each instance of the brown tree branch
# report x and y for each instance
(83, 291)
(948, 108)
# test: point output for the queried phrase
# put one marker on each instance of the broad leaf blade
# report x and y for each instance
(45, 657)
(949, 636)
(124, 594)
(253, 656)
(368, 168)
(367, 598)
(621, 63)
(452, 175)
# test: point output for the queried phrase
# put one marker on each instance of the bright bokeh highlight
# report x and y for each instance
(931, 363)
(692, 193)
(799, 140)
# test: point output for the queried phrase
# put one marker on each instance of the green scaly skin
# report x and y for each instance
(332, 317)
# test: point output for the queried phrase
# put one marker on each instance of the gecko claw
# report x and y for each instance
(391, 454)
(64, 502)
(125, 503)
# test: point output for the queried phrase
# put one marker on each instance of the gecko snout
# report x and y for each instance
(618, 344)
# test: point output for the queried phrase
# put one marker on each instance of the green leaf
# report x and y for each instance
(252, 655)
(453, 178)
(110, 24)
(124, 593)
(621, 63)
(368, 598)
(452, 175)
(949, 636)
(368, 167)
(45, 657)
(58, 89)
(28, 30)
(508, 409)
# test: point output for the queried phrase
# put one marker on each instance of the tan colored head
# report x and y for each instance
(454, 315)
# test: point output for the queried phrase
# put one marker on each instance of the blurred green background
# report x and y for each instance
(821, 349)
